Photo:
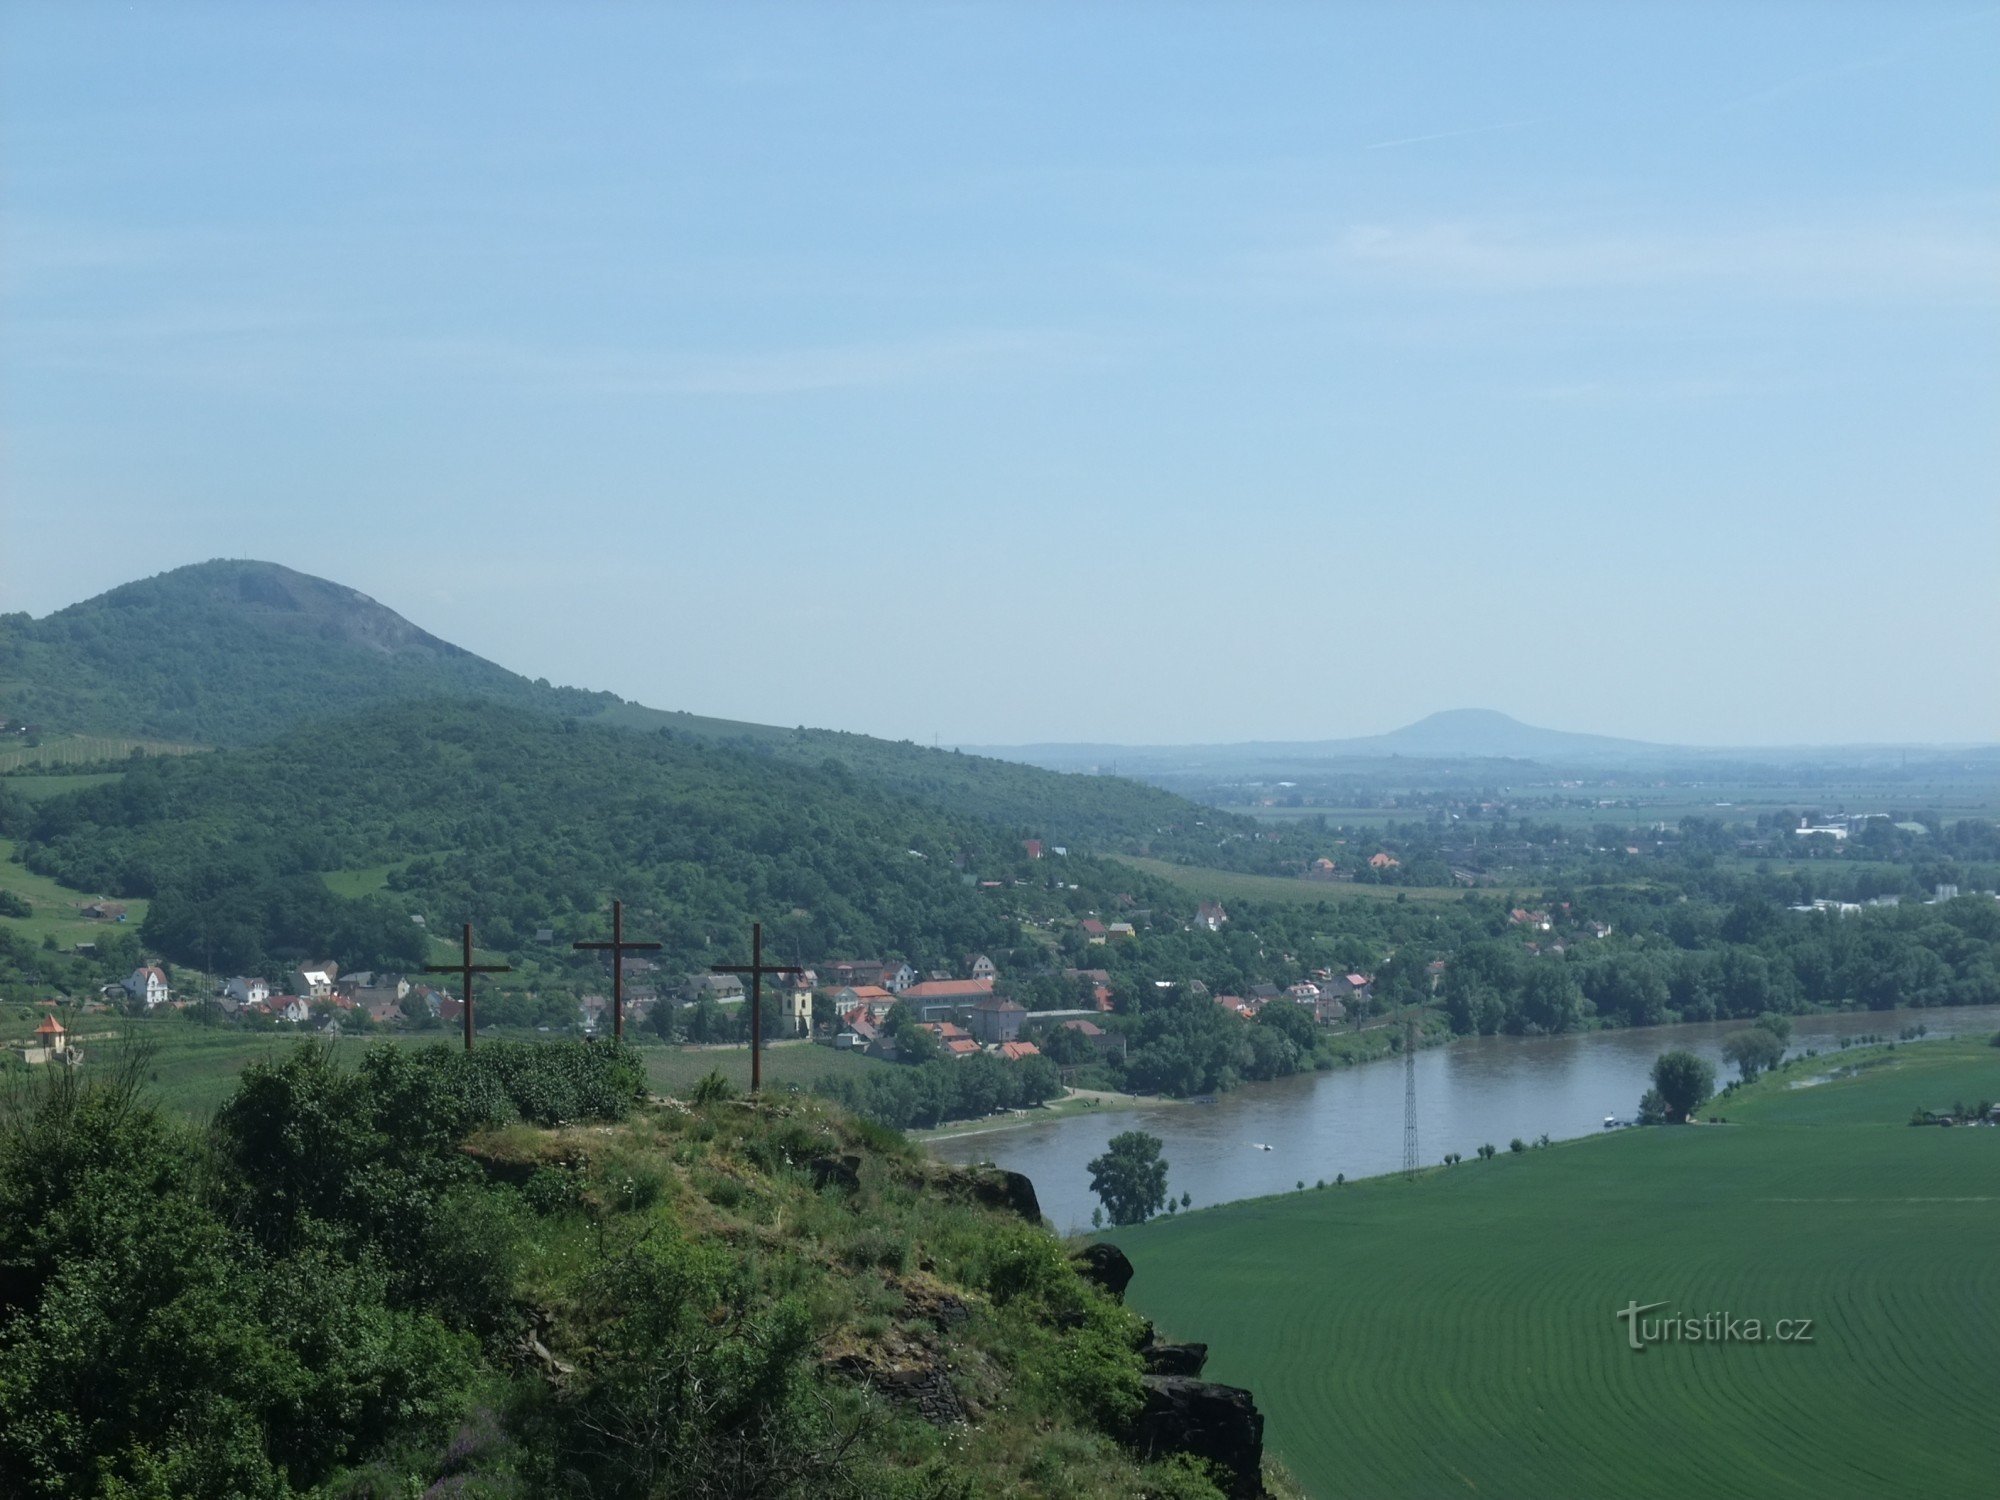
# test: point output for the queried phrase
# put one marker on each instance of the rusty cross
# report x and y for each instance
(756, 969)
(465, 969)
(618, 948)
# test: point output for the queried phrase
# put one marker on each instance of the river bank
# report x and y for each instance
(1350, 1121)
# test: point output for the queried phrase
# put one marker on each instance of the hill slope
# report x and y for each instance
(517, 821)
(238, 653)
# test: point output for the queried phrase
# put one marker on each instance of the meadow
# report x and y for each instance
(57, 909)
(87, 749)
(193, 1067)
(1456, 1332)
(1229, 885)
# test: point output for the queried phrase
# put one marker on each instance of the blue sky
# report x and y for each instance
(1009, 373)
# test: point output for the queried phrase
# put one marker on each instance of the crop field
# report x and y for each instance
(1229, 885)
(1456, 1334)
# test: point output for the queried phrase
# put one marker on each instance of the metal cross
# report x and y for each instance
(756, 969)
(465, 969)
(618, 948)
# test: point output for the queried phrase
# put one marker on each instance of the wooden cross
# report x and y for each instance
(618, 948)
(756, 969)
(465, 969)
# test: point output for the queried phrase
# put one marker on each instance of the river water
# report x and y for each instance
(1351, 1120)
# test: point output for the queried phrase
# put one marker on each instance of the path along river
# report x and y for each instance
(1351, 1120)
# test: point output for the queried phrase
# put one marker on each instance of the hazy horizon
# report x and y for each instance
(1008, 376)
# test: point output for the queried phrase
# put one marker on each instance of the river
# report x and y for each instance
(1351, 1120)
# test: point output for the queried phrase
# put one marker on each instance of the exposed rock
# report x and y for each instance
(1173, 1359)
(926, 1387)
(996, 1187)
(1219, 1423)
(1107, 1266)
(836, 1171)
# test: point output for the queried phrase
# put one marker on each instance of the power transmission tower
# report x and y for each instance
(1409, 1096)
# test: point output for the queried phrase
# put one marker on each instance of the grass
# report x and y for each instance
(1228, 885)
(676, 1070)
(40, 788)
(57, 909)
(1455, 1333)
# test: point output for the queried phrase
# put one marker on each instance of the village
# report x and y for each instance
(881, 1008)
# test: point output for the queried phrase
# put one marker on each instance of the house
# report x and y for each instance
(1092, 929)
(1305, 992)
(1097, 1036)
(1209, 916)
(1521, 917)
(712, 987)
(247, 991)
(1121, 930)
(981, 967)
(936, 998)
(960, 1047)
(105, 911)
(316, 983)
(871, 999)
(1236, 1005)
(1354, 986)
(292, 1008)
(1033, 848)
(1323, 869)
(1015, 1051)
(148, 984)
(997, 1020)
(383, 1006)
(1383, 861)
(1327, 1010)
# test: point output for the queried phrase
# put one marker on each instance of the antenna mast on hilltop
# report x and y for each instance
(1409, 1095)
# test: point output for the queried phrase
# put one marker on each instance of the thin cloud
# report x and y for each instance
(1446, 135)
(1876, 259)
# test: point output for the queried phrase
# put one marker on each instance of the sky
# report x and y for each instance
(1008, 373)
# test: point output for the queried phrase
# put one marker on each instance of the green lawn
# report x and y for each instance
(1228, 885)
(1455, 1334)
(57, 909)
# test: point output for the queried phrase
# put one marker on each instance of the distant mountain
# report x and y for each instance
(1460, 734)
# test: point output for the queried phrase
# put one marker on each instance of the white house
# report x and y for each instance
(245, 991)
(291, 1008)
(148, 984)
(981, 967)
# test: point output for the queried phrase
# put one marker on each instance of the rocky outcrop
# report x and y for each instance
(995, 1187)
(1219, 1423)
(923, 1386)
(1173, 1359)
(843, 1172)
(1107, 1266)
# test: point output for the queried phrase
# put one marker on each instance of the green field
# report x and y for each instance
(1229, 886)
(194, 1067)
(57, 909)
(1455, 1334)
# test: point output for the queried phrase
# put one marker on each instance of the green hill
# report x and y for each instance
(518, 821)
(236, 653)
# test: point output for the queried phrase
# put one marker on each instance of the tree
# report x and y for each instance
(1752, 1051)
(1130, 1177)
(1683, 1081)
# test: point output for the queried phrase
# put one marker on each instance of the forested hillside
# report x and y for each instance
(518, 821)
(237, 653)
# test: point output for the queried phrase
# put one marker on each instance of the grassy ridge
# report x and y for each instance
(1456, 1333)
